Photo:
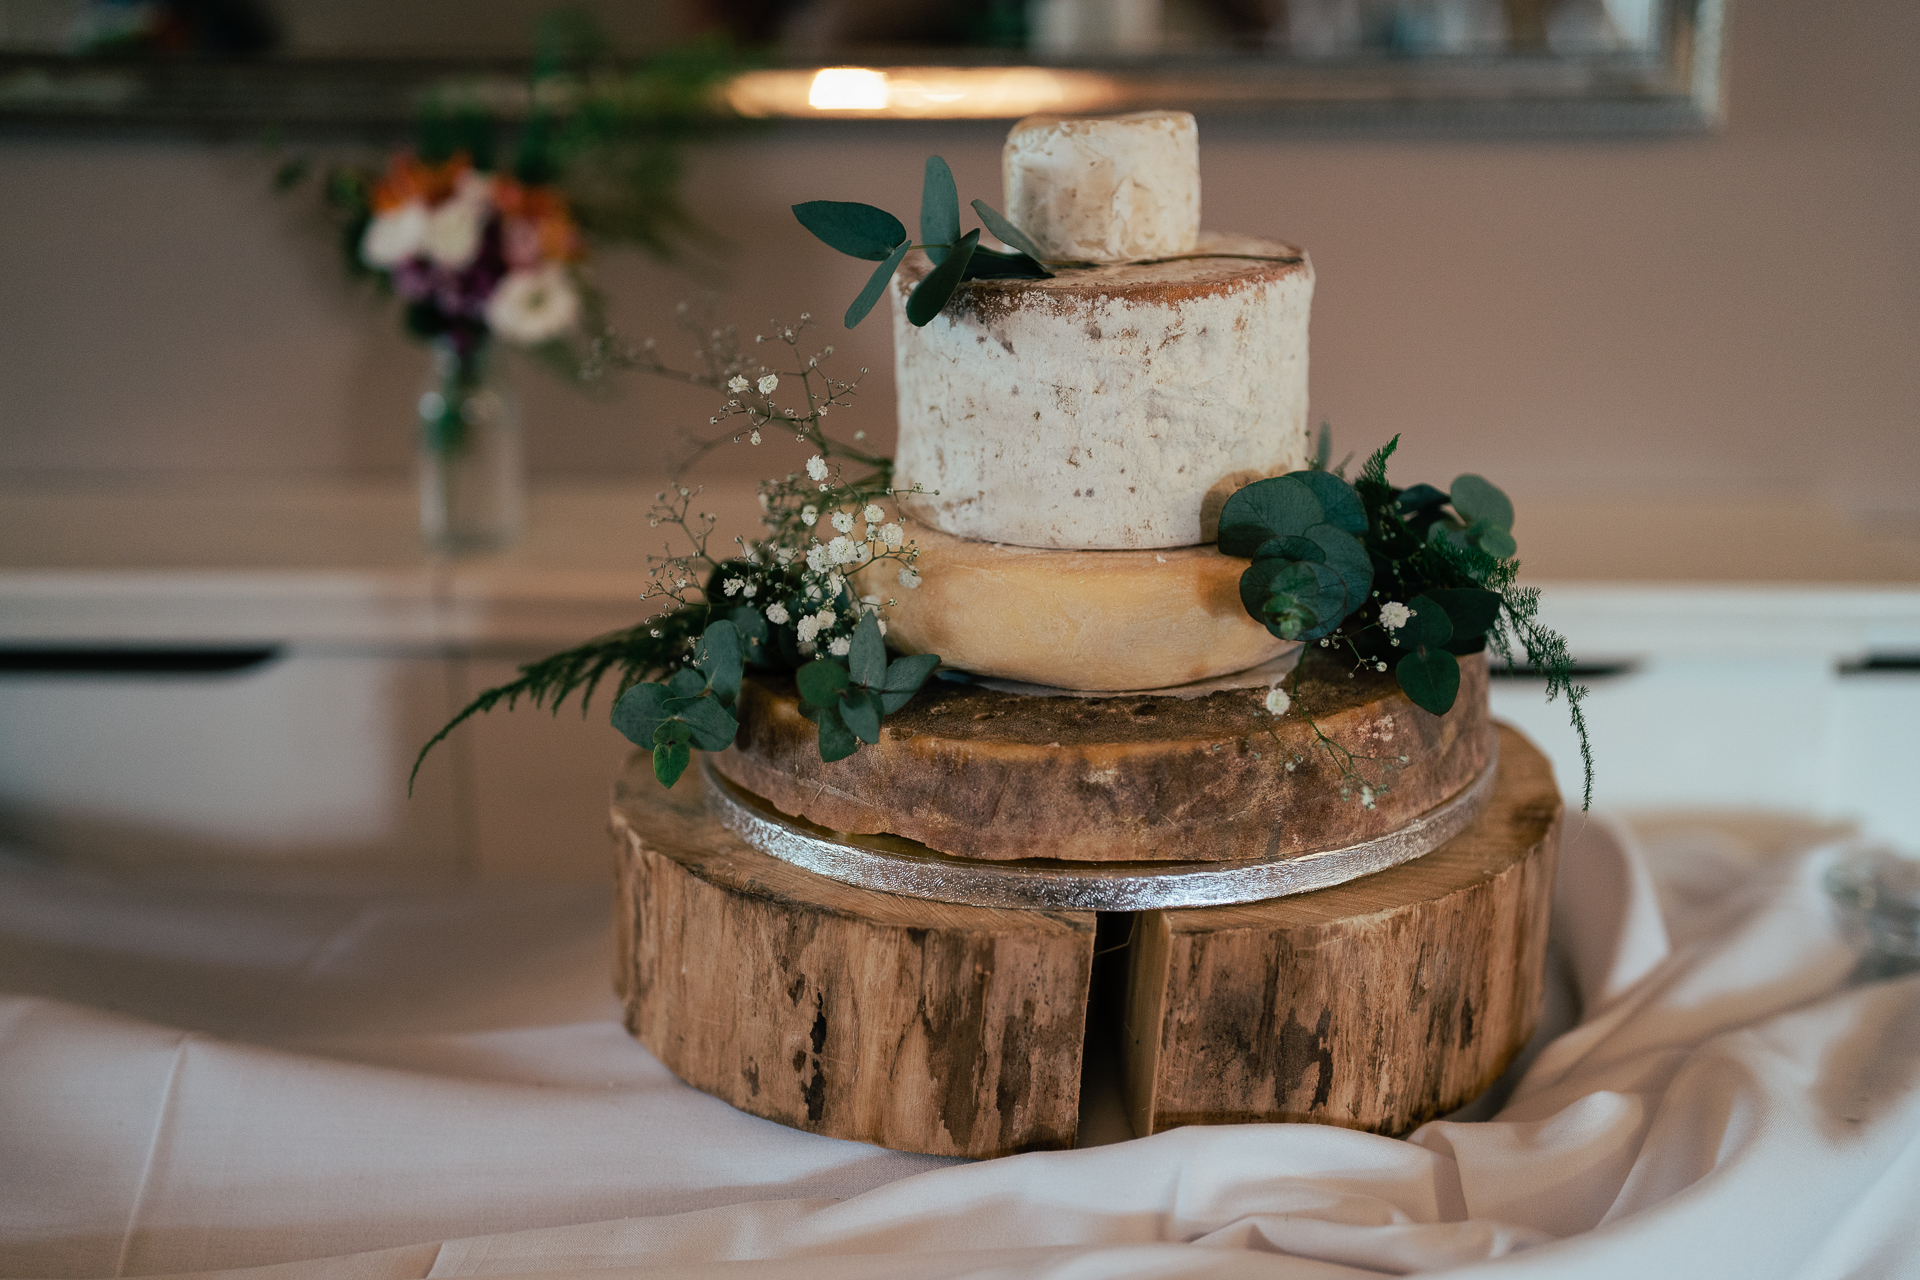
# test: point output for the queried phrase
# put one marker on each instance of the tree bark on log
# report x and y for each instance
(1376, 1004)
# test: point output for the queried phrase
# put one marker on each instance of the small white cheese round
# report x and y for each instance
(1105, 188)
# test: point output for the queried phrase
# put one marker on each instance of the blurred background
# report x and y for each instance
(1655, 263)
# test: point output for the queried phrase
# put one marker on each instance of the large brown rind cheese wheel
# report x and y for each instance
(977, 773)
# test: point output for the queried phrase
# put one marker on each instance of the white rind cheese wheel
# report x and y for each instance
(1092, 620)
(1107, 407)
(1105, 188)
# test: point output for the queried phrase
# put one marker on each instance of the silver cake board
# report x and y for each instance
(892, 864)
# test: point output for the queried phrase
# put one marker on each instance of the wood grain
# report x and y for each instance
(916, 1025)
(1377, 1004)
(976, 773)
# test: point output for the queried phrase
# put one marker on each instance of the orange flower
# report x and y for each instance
(409, 178)
(538, 226)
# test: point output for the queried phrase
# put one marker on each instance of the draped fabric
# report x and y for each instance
(382, 1082)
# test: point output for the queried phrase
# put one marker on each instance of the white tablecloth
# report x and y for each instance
(408, 1082)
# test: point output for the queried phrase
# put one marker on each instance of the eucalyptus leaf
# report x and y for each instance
(668, 732)
(860, 711)
(1476, 499)
(1419, 498)
(752, 626)
(718, 653)
(1292, 547)
(713, 727)
(867, 659)
(875, 286)
(1005, 232)
(1286, 614)
(1497, 543)
(1471, 610)
(904, 678)
(1346, 556)
(1279, 507)
(939, 209)
(639, 711)
(820, 682)
(990, 264)
(1323, 448)
(1429, 624)
(858, 230)
(1336, 498)
(836, 740)
(1431, 678)
(1315, 588)
(931, 294)
(686, 683)
(670, 760)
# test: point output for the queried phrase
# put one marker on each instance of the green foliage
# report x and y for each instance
(784, 603)
(848, 701)
(931, 294)
(629, 656)
(857, 230)
(1310, 569)
(1447, 557)
(692, 708)
(862, 231)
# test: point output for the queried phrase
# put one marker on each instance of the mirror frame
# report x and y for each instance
(1677, 90)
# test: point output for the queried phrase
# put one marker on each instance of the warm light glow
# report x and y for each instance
(951, 93)
(848, 89)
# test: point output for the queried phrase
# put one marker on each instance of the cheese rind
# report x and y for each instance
(1105, 188)
(1097, 620)
(1108, 407)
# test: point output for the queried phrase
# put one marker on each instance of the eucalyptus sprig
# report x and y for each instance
(863, 231)
(1415, 577)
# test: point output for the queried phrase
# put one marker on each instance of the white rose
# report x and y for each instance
(452, 234)
(531, 307)
(394, 236)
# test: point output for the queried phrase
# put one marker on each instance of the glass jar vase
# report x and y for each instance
(472, 475)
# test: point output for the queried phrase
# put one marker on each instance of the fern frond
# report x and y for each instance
(1547, 651)
(635, 653)
(1374, 470)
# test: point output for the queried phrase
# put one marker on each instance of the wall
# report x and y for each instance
(1733, 310)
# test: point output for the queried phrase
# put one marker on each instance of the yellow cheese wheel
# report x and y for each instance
(1088, 620)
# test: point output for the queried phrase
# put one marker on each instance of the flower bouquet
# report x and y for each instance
(474, 255)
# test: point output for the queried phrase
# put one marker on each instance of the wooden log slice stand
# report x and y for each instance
(960, 1030)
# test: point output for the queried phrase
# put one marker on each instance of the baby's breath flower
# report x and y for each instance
(817, 467)
(873, 514)
(840, 550)
(733, 585)
(1278, 701)
(768, 383)
(1379, 666)
(777, 614)
(817, 558)
(1394, 615)
(909, 579)
(840, 647)
(807, 628)
(893, 535)
(736, 384)
(843, 521)
(750, 590)
(809, 514)
(826, 618)
(753, 437)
